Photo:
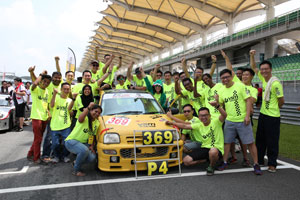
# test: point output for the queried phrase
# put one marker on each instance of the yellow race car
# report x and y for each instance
(133, 134)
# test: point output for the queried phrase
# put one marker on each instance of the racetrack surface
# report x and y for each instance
(21, 179)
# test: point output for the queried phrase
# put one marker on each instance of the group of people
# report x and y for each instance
(217, 114)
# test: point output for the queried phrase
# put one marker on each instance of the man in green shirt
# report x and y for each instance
(236, 100)
(169, 86)
(124, 84)
(60, 122)
(195, 138)
(39, 114)
(268, 129)
(140, 83)
(212, 139)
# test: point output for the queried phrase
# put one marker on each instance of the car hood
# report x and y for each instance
(119, 123)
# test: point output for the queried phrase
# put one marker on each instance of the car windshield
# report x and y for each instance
(3, 102)
(129, 104)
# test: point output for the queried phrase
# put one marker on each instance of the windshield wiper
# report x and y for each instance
(156, 112)
(128, 112)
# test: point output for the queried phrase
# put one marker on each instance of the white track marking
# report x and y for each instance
(123, 180)
(288, 164)
(22, 171)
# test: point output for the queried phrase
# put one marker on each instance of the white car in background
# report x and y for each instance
(7, 113)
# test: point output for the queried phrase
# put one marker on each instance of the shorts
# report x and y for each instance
(201, 154)
(192, 145)
(233, 129)
(20, 110)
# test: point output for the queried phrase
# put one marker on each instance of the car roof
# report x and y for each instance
(125, 91)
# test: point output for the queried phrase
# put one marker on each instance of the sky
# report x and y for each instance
(33, 32)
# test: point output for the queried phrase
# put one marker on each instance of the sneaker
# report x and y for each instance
(272, 169)
(55, 160)
(66, 159)
(257, 170)
(210, 171)
(223, 166)
(78, 173)
(30, 158)
(232, 160)
(246, 163)
(19, 130)
(46, 160)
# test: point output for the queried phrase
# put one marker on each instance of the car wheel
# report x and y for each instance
(11, 122)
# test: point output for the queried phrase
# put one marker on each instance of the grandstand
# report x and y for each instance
(162, 32)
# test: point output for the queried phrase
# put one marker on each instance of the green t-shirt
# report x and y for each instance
(141, 82)
(50, 89)
(157, 97)
(40, 100)
(60, 115)
(124, 86)
(193, 134)
(209, 95)
(252, 91)
(96, 76)
(271, 107)
(109, 80)
(234, 99)
(169, 90)
(211, 135)
(236, 79)
(81, 131)
(195, 102)
(78, 88)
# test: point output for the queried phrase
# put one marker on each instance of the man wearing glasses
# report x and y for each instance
(236, 100)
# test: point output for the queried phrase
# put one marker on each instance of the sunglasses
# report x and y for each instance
(95, 65)
(186, 111)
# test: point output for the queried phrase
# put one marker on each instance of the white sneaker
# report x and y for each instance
(55, 160)
(66, 159)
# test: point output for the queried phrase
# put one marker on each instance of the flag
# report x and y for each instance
(71, 61)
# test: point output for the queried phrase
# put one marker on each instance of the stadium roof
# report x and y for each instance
(136, 29)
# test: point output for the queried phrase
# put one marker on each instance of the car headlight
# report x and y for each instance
(3, 114)
(111, 138)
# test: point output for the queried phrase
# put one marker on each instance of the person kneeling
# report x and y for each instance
(212, 138)
(81, 139)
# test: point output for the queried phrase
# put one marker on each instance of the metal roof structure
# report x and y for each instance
(137, 29)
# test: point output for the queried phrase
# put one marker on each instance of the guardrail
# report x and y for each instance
(289, 114)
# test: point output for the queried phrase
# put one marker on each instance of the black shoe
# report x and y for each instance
(19, 130)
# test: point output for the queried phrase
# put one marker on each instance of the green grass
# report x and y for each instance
(289, 142)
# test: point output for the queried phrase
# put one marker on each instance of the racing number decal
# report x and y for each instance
(157, 137)
(123, 121)
(157, 168)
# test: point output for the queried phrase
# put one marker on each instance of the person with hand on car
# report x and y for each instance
(81, 140)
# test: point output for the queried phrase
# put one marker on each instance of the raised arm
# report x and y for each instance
(52, 103)
(72, 102)
(179, 125)
(169, 114)
(100, 81)
(196, 94)
(228, 63)
(184, 67)
(129, 76)
(216, 104)
(213, 65)
(177, 87)
(107, 64)
(252, 61)
(148, 84)
(157, 66)
(120, 62)
(32, 75)
(57, 63)
(85, 112)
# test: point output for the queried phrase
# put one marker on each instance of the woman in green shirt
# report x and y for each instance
(81, 139)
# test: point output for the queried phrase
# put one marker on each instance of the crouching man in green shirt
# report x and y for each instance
(211, 132)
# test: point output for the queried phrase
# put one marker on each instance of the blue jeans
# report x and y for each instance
(47, 142)
(84, 155)
(55, 142)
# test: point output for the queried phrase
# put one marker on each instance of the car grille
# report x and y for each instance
(129, 153)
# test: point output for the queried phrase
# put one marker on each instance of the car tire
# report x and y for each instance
(11, 122)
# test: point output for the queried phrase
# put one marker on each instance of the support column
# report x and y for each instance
(230, 26)
(151, 58)
(171, 50)
(204, 38)
(203, 62)
(269, 47)
(184, 44)
(270, 11)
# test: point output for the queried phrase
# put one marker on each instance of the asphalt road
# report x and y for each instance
(21, 179)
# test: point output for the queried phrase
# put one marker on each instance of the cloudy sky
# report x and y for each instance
(33, 32)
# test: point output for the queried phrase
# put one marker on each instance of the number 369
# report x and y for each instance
(157, 137)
